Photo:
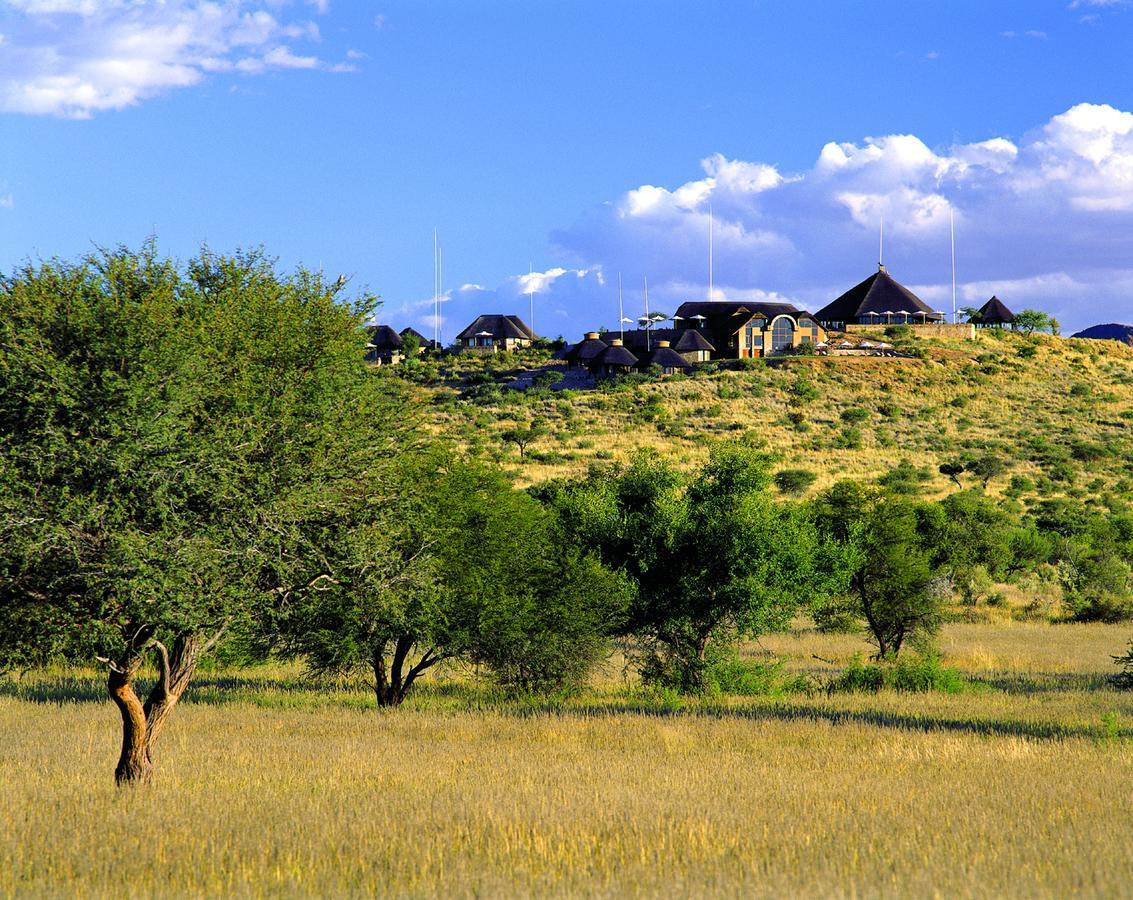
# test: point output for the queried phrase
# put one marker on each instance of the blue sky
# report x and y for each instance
(585, 139)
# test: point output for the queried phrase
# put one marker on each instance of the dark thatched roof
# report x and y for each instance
(877, 295)
(995, 312)
(586, 350)
(616, 355)
(690, 340)
(384, 338)
(421, 339)
(499, 327)
(666, 358)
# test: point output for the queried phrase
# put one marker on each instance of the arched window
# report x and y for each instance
(782, 330)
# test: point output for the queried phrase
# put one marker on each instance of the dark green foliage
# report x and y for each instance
(893, 585)
(713, 558)
(1123, 680)
(987, 467)
(163, 435)
(854, 415)
(913, 675)
(953, 470)
(794, 481)
(904, 478)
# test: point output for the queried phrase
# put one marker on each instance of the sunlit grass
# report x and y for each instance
(269, 784)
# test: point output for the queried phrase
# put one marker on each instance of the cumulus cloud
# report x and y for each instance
(1045, 220)
(75, 58)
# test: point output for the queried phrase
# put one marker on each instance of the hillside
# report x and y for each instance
(1056, 411)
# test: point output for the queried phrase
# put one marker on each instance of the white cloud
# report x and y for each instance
(1046, 220)
(7, 201)
(75, 58)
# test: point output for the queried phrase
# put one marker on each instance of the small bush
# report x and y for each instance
(854, 414)
(794, 481)
(916, 675)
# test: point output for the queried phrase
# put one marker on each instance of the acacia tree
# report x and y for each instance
(455, 564)
(714, 558)
(167, 436)
(893, 587)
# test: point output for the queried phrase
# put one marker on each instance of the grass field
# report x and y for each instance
(267, 785)
(1057, 411)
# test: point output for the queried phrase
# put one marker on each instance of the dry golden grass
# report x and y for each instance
(963, 396)
(1022, 791)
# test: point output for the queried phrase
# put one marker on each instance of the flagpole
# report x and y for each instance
(952, 230)
(646, 313)
(621, 313)
(709, 251)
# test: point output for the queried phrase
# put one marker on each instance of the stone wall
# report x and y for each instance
(962, 332)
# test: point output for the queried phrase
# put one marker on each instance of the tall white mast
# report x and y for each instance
(952, 230)
(709, 251)
(621, 312)
(881, 242)
(646, 313)
(531, 294)
(436, 291)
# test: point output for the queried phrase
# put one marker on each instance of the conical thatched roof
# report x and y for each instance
(995, 312)
(586, 350)
(497, 326)
(616, 355)
(384, 338)
(665, 357)
(878, 295)
(690, 340)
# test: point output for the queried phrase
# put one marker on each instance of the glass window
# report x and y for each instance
(781, 333)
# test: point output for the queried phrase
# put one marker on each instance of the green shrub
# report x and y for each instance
(794, 481)
(854, 414)
(917, 675)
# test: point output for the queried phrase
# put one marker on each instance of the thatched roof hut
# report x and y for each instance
(666, 357)
(879, 300)
(995, 312)
(587, 350)
(614, 360)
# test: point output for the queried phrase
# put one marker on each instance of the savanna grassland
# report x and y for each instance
(270, 784)
(374, 663)
(1057, 411)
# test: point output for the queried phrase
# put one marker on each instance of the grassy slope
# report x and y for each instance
(973, 397)
(1020, 788)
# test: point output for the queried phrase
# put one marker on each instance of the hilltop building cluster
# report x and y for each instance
(705, 330)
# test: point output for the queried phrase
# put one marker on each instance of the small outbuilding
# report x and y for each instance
(586, 351)
(614, 360)
(496, 333)
(994, 314)
(423, 343)
(693, 346)
(385, 346)
(669, 360)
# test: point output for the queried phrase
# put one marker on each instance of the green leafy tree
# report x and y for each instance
(455, 564)
(892, 583)
(971, 314)
(523, 436)
(987, 467)
(953, 470)
(167, 437)
(1032, 320)
(713, 558)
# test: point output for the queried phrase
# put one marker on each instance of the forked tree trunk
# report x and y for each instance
(143, 722)
(392, 684)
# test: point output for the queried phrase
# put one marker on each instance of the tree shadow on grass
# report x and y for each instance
(794, 712)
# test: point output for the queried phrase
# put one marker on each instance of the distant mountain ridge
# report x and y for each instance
(1110, 332)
